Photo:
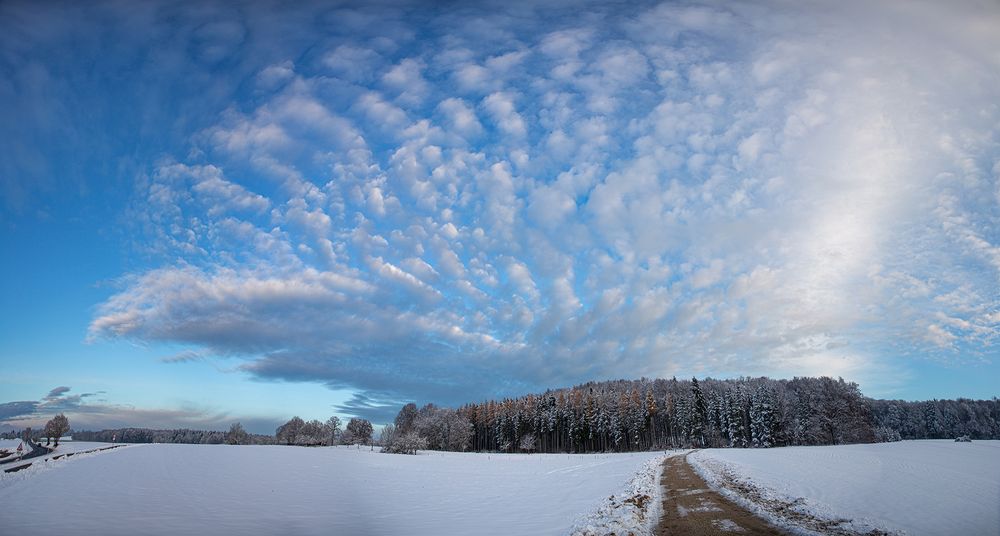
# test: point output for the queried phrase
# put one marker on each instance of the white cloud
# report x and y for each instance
(352, 63)
(274, 76)
(520, 277)
(461, 117)
(382, 113)
(424, 210)
(501, 107)
(750, 147)
(407, 79)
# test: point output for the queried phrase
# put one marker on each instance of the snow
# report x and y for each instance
(194, 489)
(64, 447)
(635, 510)
(929, 487)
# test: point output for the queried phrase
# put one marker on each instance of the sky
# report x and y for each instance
(222, 211)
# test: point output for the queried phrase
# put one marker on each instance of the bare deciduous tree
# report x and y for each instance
(57, 427)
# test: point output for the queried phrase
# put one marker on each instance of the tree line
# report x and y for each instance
(236, 435)
(315, 433)
(294, 432)
(624, 415)
(629, 415)
(938, 419)
(55, 429)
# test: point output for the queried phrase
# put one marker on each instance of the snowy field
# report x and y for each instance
(931, 487)
(218, 489)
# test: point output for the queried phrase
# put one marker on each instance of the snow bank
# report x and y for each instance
(52, 460)
(934, 487)
(199, 489)
(66, 447)
(634, 511)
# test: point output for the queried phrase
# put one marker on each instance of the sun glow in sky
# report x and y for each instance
(247, 210)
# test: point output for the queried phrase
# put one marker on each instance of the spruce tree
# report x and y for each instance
(762, 418)
(699, 414)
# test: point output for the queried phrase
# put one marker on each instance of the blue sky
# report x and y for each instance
(245, 211)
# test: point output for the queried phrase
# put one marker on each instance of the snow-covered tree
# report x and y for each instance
(738, 411)
(408, 443)
(387, 435)
(286, 433)
(444, 428)
(698, 415)
(682, 418)
(332, 429)
(311, 434)
(527, 443)
(405, 418)
(762, 418)
(237, 435)
(359, 431)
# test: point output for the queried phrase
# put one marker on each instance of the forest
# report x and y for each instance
(202, 437)
(626, 415)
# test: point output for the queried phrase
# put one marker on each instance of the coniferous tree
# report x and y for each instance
(699, 414)
(737, 418)
(762, 418)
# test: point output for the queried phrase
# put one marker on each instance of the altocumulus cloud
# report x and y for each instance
(444, 204)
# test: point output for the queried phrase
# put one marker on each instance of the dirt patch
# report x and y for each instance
(691, 508)
(639, 500)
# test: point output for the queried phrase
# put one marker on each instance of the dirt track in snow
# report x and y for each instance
(691, 508)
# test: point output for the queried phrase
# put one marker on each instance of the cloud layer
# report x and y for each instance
(431, 204)
(91, 411)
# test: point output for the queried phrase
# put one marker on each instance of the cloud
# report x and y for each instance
(352, 63)
(12, 410)
(186, 356)
(407, 79)
(438, 208)
(461, 117)
(374, 409)
(98, 414)
(57, 392)
(501, 107)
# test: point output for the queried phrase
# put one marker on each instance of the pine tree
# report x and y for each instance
(762, 418)
(803, 432)
(699, 414)
(737, 418)
(682, 419)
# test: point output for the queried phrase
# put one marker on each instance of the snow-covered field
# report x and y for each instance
(931, 487)
(219, 489)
